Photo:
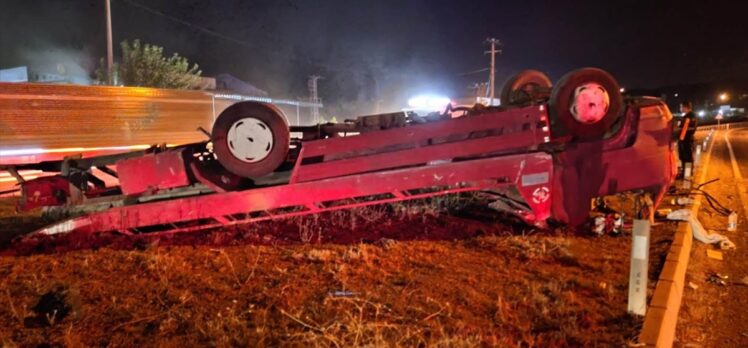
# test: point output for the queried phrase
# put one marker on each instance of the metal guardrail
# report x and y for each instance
(724, 126)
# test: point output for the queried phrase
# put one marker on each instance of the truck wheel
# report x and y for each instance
(586, 102)
(525, 87)
(251, 139)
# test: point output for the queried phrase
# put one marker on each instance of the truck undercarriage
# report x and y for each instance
(546, 153)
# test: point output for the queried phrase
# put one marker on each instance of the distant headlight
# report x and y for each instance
(428, 102)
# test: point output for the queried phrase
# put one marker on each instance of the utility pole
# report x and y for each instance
(481, 90)
(492, 78)
(313, 96)
(109, 50)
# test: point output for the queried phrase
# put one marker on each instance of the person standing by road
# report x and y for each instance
(686, 136)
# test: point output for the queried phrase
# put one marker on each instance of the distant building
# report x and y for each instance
(17, 74)
(59, 75)
(230, 83)
(205, 83)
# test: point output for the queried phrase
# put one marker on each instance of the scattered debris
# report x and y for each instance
(385, 243)
(52, 307)
(356, 253)
(693, 285)
(682, 201)
(699, 232)
(732, 222)
(718, 279)
(726, 245)
(662, 213)
(611, 223)
(342, 293)
(318, 255)
(599, 225)
(714, 254)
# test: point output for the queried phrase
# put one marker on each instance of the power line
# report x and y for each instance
(472, 72)
(194, 26)
(232, 39)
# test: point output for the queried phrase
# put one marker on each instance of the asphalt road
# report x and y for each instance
(739, 141)
(712, 313)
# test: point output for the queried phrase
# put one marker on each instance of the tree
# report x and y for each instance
(144, 65)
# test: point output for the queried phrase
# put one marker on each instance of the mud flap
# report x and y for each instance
(535, 187)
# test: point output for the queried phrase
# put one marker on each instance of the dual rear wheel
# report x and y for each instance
(585, 103)
(252, 139)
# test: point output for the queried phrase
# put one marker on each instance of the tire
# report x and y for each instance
(578, 103)
(251, 139)
(525, 87)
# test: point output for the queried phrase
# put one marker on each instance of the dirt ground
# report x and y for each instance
(405, 275)
(715, 314)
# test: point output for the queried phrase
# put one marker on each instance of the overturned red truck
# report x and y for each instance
(546, 153)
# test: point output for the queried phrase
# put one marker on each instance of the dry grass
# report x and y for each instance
(492, 288)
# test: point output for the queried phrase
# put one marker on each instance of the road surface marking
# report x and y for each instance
(702, 176)
(736, 173)
(660, 324)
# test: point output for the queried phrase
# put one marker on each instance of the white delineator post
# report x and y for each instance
(697, 155)
(687, 174)
(638, 276)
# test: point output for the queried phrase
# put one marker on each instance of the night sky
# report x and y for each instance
(388, 50)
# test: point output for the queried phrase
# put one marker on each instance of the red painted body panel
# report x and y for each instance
(638, 157)
(511, 148)
(315, 196)
(152, 172)
(511, 121)
(505, 132)
(44, 192)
